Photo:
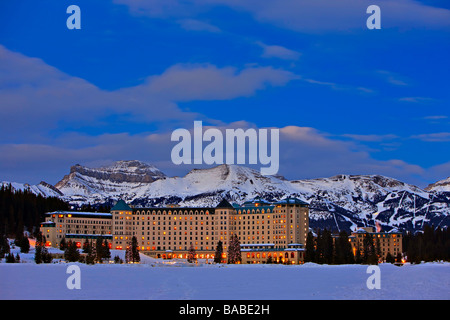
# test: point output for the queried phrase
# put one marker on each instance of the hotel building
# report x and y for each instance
(75, 226)
(266, 231)
(389, 242)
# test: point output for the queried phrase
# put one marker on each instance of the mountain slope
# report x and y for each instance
(43, 188)
(97, 184)
(341, 202)
(209, 186)
(440, 186)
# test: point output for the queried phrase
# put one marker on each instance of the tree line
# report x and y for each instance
(23, 210)
(430, 244)
(326, 249)
(323, 249)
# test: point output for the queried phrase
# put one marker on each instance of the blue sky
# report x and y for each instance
(346, 99)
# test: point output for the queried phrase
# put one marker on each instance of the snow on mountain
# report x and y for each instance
(342, 202)
(209, 186)
(440, 186)
(346, 201)
(85, 184)
(43, 188)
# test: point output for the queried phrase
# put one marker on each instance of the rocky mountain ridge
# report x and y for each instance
(341, 202)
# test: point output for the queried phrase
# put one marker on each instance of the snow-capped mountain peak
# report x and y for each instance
(117, 178)
(341, 202)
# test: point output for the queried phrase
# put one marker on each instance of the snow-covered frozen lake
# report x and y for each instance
(157, 281)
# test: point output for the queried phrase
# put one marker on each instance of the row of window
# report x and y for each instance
(83, 221)
(175, 227)
(263, 255)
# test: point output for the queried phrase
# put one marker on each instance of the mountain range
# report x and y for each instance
(342, 202)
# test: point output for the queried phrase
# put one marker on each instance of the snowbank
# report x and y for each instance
(156, 279)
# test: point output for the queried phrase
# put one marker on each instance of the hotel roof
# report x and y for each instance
(224, 204)
(121, 206)
(81, 214)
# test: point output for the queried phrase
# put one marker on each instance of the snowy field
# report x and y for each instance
(246, 282)
(158, 280)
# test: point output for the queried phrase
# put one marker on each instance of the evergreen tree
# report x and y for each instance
(106, 251)
(62, 244)
(86, 247)
(89, 249)
(358, 258)
(369, 249)
(234, 250)
(389, 258)
(71, 253)
(324, 247)
(319, 248)
(4, 246)
(11, 221)
(218, 253)
(128, 255)
(99, 249)
(38, 254)
(191, 255)
(349, 256)
(430, 244)
(135, 250)
(19, 227)
(24, 244)
(132, 252)
(38, 248)
(343, 249)
(22, 209)
(10, 258)
(328, 247)
(411, 251)
(377, 248)
(310, 251)
(117, 259)
(41, 254)
(46, 256)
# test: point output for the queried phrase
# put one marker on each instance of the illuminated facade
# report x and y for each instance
(266, 231)
(75, 226)
(388, 242)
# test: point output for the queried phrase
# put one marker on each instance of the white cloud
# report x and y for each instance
(393, 78)
(309, 153)
(197, 25)
(38, 98)
(371, 137)
(416, 99)
(275, 51)
(304, 153)
(184, 82)
(436, 117)
(344, 15)
(307, 15)
(433, 137)
(163, 9)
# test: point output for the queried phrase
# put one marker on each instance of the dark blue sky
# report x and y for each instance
(350, 100)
